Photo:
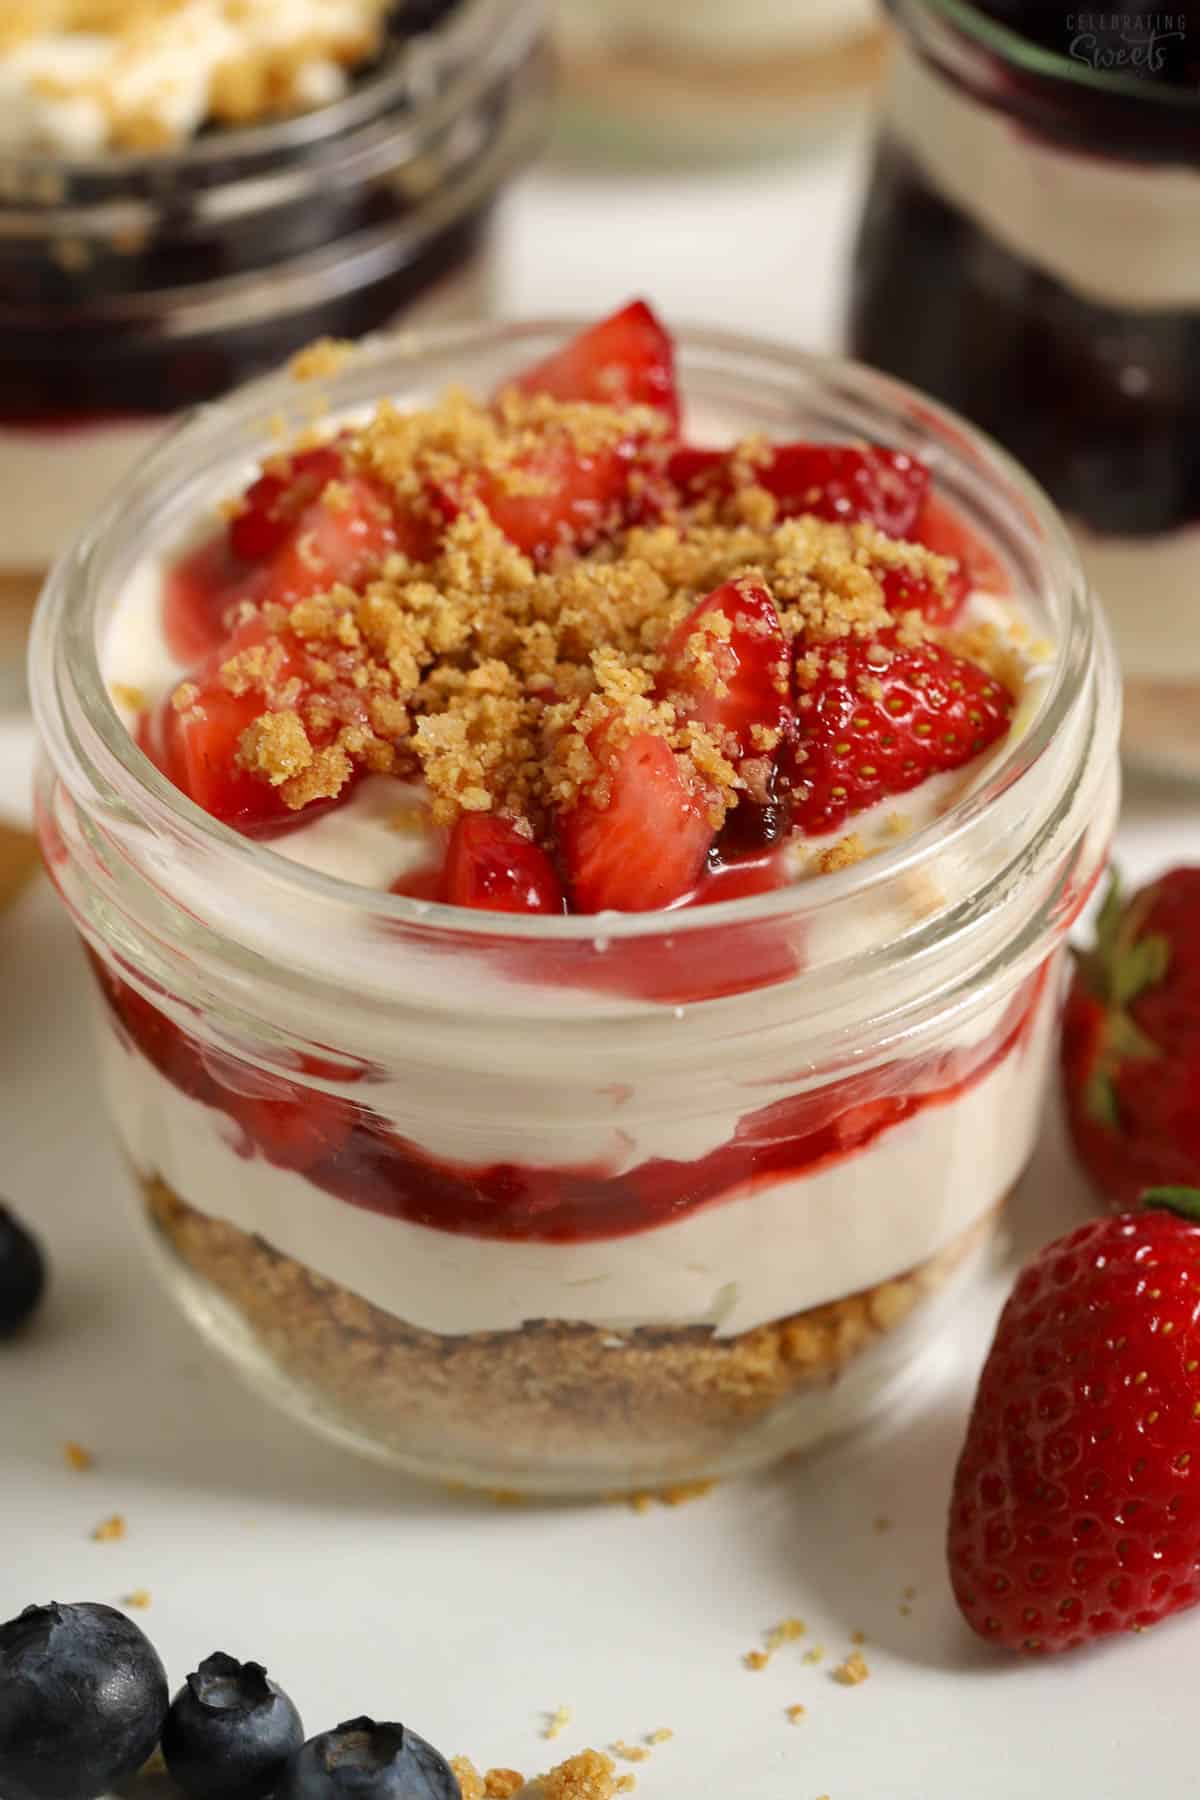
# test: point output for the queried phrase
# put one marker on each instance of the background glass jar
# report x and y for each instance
(1028, 255)
(506, 1200)
(133, 286)
(700, 81)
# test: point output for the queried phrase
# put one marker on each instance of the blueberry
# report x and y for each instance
(22, 1274)
(229, 1732)
(83, 1697)
(365, 1761)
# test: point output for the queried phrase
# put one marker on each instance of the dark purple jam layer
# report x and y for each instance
(1101, 404)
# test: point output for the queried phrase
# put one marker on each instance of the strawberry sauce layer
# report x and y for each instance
(351, 1153)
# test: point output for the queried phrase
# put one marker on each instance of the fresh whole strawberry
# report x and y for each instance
(1075, 1510)
(1131, 1041)
(879, 718)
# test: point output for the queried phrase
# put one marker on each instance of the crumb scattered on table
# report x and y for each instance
(109, 1531)
(77, 1457)
(682, 1494)
(858, 1637)
(796, 1713)
(756, 1659)
(557, 1722)
(882, 1524)
(853, 1671)
(140, 1599)
(634, 1753)
(663, 1735)
(816, 1654)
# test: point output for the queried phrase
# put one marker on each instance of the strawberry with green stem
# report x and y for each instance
(1131, 1041)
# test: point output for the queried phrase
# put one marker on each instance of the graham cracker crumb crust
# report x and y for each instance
(551, 1390)
(511, 687)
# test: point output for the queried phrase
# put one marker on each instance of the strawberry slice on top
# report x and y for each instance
(839, 482)
(729, 665)
(625, 360)
(878, 717)
(558, 498)
(492, 867)
(638, 840)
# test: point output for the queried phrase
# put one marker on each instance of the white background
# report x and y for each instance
(470, 1622)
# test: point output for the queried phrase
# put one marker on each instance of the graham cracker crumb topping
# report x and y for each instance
(513, 687)
(853, 1671)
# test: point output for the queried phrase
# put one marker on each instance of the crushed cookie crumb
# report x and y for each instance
(816, 1654)
(589, 1776)
(910, 1593)
(663, 1735)
(78, 1458)
(881, 1525)
(634, 1753)
(470, 1781)
(843, 855)
(786, 1632)
(110, 1531)
(557, 1722)
(796, 1713)
(133, 699)
(139, 1599)
(757, 1659)
(321, 361)
(853, 1671)
(858, 1637)
(502, 1784)
(682, 1494)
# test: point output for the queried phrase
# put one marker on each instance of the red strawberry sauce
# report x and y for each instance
(351, 1153)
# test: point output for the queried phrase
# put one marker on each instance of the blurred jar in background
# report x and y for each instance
(1030, 254)
(165, 238)
(707, 80)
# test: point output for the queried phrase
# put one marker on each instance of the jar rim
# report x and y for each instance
(1021, 53)
(471, 36)
(94, 755)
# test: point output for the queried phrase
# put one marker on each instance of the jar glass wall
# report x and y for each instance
(1027, 254)
(497, 1198)
(135, 286)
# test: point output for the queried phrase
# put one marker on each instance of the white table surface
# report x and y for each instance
(363, 1593)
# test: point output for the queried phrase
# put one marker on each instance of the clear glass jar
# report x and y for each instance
(702, 81)
(134, 286)
(1028, 255)
(435, 1180)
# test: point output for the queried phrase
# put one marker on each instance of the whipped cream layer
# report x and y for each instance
(55, 478)
(778, 1249)
(1123, 234)
(1150, 589)
(146, 76)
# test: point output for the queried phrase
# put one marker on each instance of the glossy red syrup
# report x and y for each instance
(349, 1152)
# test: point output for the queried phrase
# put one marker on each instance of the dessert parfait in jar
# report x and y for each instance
(190, 190)
(1028, 256)
(575, 840)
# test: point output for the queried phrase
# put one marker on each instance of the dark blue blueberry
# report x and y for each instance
(230, 1732)
(22, 1274)
(83, 1697)
(365, 1761)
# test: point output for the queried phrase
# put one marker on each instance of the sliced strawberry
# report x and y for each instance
(891, 716)
(646, 847)
(626, 360)
(941, 529)
(730, 664)
(492, 868)
(196, 745)
(559, 498)
(832, 481)
(275, 501)
(203, 591)
(904, 592)
(344, 536)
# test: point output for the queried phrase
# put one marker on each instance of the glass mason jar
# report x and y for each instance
(702, 81)
(1027, 255)
(132, 286)
(498, 1198)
